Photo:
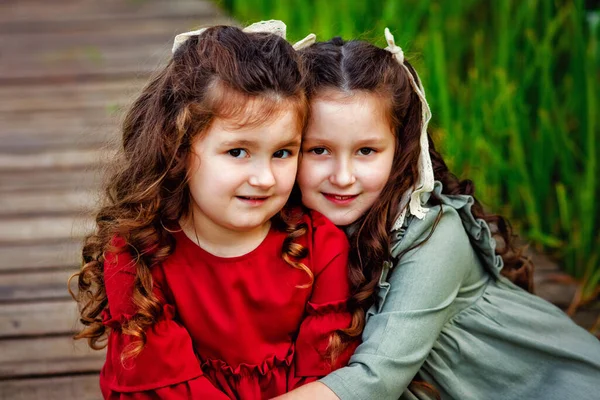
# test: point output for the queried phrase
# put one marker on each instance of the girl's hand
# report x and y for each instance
(314, 390)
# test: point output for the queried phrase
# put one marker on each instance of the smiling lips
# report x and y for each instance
(253, 201)
(340, 199)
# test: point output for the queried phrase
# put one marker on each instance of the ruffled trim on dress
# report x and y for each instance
(168, 357)
(315, 333)
(250, 380)
(114, 322)
(321, 321)
(243, 370)
(477, 229)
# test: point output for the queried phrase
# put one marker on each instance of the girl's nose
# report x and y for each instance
(262, 177)
(343, 175)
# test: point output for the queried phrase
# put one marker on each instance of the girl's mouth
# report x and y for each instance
(254, 201)
(340, 199)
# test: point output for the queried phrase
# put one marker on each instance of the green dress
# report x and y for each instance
(445, 312)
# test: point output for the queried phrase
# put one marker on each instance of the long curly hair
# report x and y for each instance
(360, 66)
(214, 75)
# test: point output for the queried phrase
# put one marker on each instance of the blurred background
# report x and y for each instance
(514, 87)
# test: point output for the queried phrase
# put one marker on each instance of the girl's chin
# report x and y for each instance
(340, 214)
(341, 219)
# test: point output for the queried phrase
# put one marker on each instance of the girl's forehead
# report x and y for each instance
(280, 127)
(347, 96)
(333, 107)
(241, 110)
(255, 112)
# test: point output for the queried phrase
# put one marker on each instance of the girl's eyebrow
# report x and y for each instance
(370, 140)
(315, 138)
(239, 143)
(293, 143)
(361, 142)
(252, 144)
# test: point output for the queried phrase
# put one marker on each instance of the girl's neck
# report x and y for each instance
(220, 241)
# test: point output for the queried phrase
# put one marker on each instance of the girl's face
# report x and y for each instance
(347, 155)
(240, 177)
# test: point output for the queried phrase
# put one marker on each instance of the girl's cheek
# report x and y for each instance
(318, 168)
(287, 175)
(368, 171)
(374, 178)
(305, 169)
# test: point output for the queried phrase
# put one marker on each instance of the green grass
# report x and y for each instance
(514, 90)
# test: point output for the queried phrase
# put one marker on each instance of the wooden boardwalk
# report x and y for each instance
(67, 69)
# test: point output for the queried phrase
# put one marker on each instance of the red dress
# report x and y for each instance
(237, 327)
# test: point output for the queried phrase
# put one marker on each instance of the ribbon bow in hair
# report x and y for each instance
(425, 179)
(392, 48)
(273, 26)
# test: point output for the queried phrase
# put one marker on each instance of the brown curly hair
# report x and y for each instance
(357, 66)
(147, 194)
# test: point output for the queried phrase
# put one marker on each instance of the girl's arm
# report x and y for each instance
(167, 367)
(414, 306)
(313, 390)
(326, 311)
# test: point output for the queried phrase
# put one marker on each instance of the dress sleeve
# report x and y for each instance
(400, 334)
(327, 309)
(167, 367)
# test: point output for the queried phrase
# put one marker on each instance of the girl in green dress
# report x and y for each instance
(439, 278)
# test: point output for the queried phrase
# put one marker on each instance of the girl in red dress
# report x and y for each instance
(204, 283)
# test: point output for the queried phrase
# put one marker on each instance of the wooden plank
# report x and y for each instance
(124, 47)
(40, 256)
(68, 159)
(80, 387)
(63, 11)
(559, 293)
(47, 355)
(93, 138)
(110, 94)
(36, 285)
(586, 317)
(54, 43)
(545, 282)
(55, 122)
(45, 202)
(32, 131)
(98, 32)
(85, 62)
(50, 179)
(39, 229)
(79, 61)
(75, 31)
(38, 318)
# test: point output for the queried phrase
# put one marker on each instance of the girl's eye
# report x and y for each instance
(318, 150)
(238, 153)
(282, 154)
(365, 151)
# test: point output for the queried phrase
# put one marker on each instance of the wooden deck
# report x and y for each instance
(67, 69)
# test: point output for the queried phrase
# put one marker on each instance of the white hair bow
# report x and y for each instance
(425, 179)
(273, 26)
